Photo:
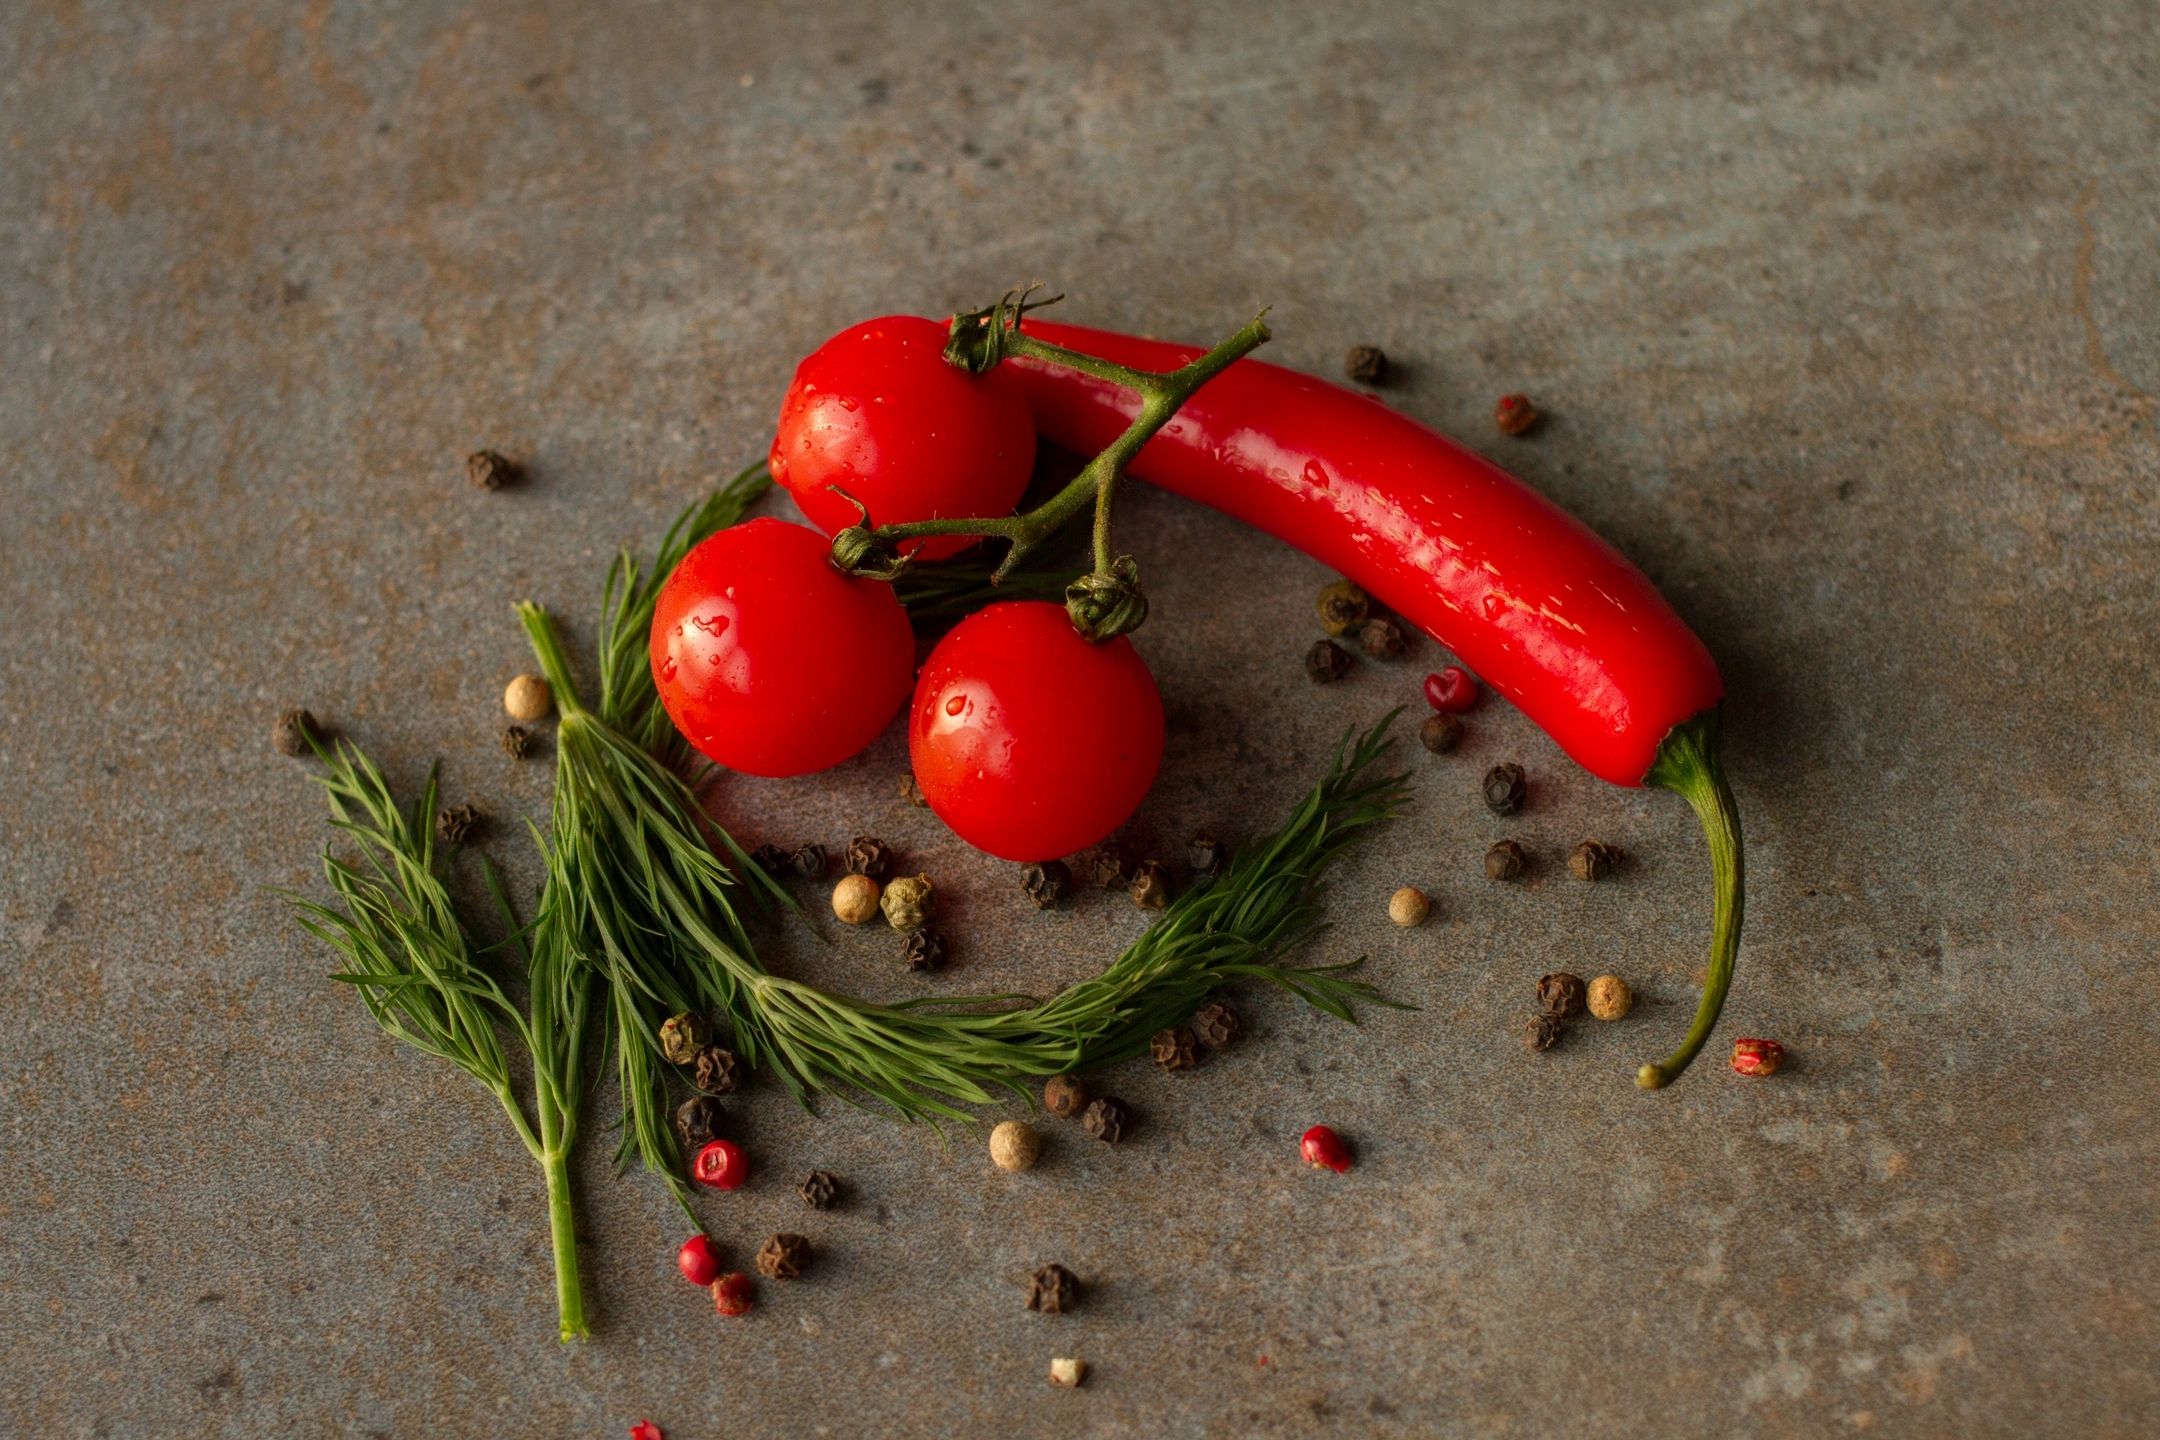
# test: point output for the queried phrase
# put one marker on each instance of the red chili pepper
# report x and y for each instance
(1542, 609)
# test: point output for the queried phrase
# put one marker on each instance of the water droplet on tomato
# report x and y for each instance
(955, 704)
(1316, 474)
(667, 668)
(847, 403)
(711, 624)
(1493, 606)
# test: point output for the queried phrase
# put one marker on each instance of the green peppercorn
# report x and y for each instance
(1504, 789)
(1343, 607)
(1327, 662)
(1505, 861)
(682, 1036)
(907, 901)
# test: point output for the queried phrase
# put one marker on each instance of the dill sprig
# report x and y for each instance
(419, 973)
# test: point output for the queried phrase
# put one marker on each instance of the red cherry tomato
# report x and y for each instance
(1324, 1149)
(772, 662)
(699, 1261)
(1027, 740)
(1452, 691)
(877, 412)
(721, 1165)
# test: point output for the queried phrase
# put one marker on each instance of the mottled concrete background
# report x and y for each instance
(1849, 320)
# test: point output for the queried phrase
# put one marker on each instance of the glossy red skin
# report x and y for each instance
(720, 1165)
(1533, 601)
(1452, 691)
(876, 411)
(770, 661)
(698, 1261)
(1323, 1149)
(1027, 740)
(732, 1294)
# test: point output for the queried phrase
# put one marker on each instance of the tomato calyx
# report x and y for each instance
(979, 339)
(861, 551)
(1105, 606)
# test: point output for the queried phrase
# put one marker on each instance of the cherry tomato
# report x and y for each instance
(770, 661)
(1452, 691)
(1027, 740)
(721, 1165)
(700, 1263)
(1323, 1149)
(877, 412)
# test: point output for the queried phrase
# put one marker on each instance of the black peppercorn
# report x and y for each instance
(1505, 861)
(808, 860)
(771, 859)
(1174, 1049)
(1107, 1120)
(1366, 364)
(1065, 1096)
(1562, 995)
(869, 856)
(1206, 854)
(682, 1036)
(1592, 860)
(1343, 607)
(1504, 789)
(1383, 639)
(517, 741)
(716, 1071)
(699, 1121)
(783, 1256)
(1541, 1031)
(1052, 1290)
(1047, 883)
(819, 1189)
(1109, 864)
(1440, 733)
(1151, 885)
(458, 823)
(486, 470)
(1217, 1026)
(924, 949)
(1327, 662)
(294, 732)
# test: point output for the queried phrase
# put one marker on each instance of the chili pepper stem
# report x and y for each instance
(1689, 765)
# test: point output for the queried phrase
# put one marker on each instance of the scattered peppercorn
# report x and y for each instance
(720, 1164)
(1014, 1145)
(1109, 864)
(1752, 1055)
(1561, 994)
(458, 823)
(819, 1189)
(1515, 414)
(698, 1120)
(487, 470)
(1067, 1372)
(1451, 691)
(1065, 1096)
(1052, 1290)
(716, 1071)
(1106, 1119)
(1151, 885)
(1592, 860)
(1323, 1149)
(867, 855)
(1505, 861)
(1327, 662)
(1174, 1049)
(1504, 789)
(924, 950)
(682, 1036)
(1610, 998)
(1343, 607)
(698, 1260)
(646, 1430)
(1409, 906)
(733, 1294)
(527, 698)
(855, 899)
(1366, 364)
(808, 860)
(1541, 1031)
(907, 901)
(911, 792)
(1440, 733)
(1206, 855)
(771, 859)
(1383, 639)
(517, 741)
(1217, 1026)
(294, 733)
(783, 1256)
(1046, 883)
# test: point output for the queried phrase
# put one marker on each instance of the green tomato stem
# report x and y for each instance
(1689, 764)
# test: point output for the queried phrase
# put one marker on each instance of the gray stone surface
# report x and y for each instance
(1849, 323)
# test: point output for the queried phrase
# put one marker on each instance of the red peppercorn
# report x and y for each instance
(1754, 1056)
(646, 1430)
(1452, 691)
(699, 1261)
(1324, 1149)
(721, 1165)
(732, 1295)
